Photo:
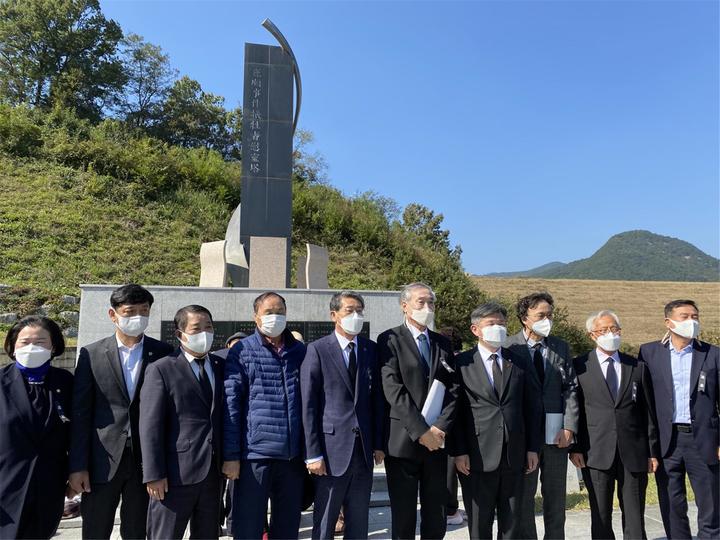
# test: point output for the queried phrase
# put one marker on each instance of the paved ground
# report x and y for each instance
(577, 525)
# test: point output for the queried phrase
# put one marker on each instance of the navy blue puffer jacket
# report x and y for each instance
(263, 413)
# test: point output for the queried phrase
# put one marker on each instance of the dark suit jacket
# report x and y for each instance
(30, 453)
(483, 416)
(104, 413)
(333, 411)
(559, 390)
(704, 406)
(625, 424)
(221, 353)
(180, 432)
(406, 387)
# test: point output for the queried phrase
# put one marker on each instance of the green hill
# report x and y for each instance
(635, 256)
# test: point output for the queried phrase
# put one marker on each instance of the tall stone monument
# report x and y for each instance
(268, 127)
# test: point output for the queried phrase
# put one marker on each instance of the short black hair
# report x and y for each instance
(181, 316)
(670, 306)
(130, 294)
(336, 300)
(56, 337)
(530, 301)
(454, 335)
(260, 299)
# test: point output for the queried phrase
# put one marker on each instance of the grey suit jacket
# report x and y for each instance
(559, 391)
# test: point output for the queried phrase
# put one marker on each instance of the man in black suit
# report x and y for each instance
(497, 434)
(617, 439)
(685, 372)
(552, 370)
(105, 455)
(343, 413)
(181, 432)
(412, 356)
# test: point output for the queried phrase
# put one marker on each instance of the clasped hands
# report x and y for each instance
(433, 438)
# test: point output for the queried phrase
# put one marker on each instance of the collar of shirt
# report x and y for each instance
(415, 332)
(344, 342)
(685, 350)
(189, 357)
(485, 353)
(266, 341)
(602, 356)
(124, 347)
(531, 342)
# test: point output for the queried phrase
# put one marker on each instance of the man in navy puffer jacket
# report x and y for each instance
(263, 425)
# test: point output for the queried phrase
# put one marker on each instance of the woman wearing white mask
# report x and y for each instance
(35, 401)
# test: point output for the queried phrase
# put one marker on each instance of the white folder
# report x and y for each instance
(553, 424)
(433, 403)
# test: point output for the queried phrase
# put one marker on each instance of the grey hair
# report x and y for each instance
(590, 322)
(407, 290)
(487, 309)
(336, 300)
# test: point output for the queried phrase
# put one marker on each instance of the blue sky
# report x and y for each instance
(538, 129)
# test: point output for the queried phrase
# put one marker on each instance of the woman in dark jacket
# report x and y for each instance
(35, 400)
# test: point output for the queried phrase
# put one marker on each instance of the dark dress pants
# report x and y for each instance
(683, 458)
(452, 487)
(279, 480)
(631, 496)
(485, 493)
(404, 476)
(552, 471)
(198, 504)
(351, 491)
(98, 506)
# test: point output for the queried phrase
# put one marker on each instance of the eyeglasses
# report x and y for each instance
(606, 329)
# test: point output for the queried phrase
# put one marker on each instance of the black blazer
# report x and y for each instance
(333, 411)
(483, 416)
(180, 432)
(626, 424)
(704, 402)
(30, 453)
(104, 413)
(406, 387)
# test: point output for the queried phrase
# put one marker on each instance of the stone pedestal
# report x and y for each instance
(268, 262)
(316, 270)
(213, 272)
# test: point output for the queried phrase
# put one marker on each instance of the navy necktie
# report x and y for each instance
(611, 378)
(352, 365)
(425, 352)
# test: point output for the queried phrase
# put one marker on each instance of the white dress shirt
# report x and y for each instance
(531, 344)
(416, 333)
(602, 360)
(196, 368)
(344, 342)
(130, 360)
(488, 364)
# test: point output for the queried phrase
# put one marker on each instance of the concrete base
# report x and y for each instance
(382, 309)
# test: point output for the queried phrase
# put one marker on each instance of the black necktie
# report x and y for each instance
(204, 381)
(497, 374)
(539, 362)
(611, 378)
(352, 365)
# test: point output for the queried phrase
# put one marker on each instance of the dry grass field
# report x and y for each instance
(638, 303)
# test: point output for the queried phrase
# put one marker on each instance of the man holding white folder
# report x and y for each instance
(420, 386)
(553, 372)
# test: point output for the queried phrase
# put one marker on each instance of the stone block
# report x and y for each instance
(213, 272)
(8, 318)
(69, 300)
(72, 317)
(317, 267)
(301, 273)
(268, 262)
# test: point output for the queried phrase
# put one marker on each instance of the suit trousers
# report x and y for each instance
(404, 476)
(98, 506)
(683, 458)
(280, 480)
(452, 487)
(198, 504)
(631, 496)
(552, 471)
(351, 491)
(485, 493)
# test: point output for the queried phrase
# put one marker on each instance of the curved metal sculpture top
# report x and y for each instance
(270, 27)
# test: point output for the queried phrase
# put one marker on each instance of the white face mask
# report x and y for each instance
(542, 327)
(494, 335)
(273, 325)
(199, 343)
(609, 341)
(689, 328)
(132, 326)
(352, 323)
(32, 356)
(424, 316)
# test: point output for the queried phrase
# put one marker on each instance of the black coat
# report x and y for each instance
(180, 432)
(30, 453)
(483, 417)
(406, 388)
(104, 413)
(626, 424)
